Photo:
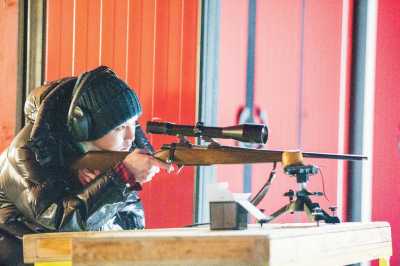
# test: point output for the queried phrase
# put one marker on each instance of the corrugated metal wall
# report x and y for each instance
(8, 70)
(152, 44)
(301, 83)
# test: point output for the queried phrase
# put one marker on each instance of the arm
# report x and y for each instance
(44, 196)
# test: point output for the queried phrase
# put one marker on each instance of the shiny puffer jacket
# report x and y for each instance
(38, 192)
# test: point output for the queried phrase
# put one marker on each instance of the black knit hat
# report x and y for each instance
(108, 101)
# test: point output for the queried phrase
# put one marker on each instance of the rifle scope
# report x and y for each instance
(252, 133)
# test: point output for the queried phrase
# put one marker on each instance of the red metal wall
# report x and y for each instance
(152, 44)
(8, 70)
(386, 149)
(299, 93)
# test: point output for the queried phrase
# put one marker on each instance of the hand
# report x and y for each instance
(86, 175)
(143, 166)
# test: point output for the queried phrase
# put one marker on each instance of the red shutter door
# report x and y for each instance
(152, 44)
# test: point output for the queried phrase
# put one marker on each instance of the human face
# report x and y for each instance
(120, 138)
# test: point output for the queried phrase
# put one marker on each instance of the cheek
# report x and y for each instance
(110, 142)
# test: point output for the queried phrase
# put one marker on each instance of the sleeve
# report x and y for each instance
(43, 195)
(127, 176)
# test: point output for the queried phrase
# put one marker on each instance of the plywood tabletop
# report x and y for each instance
(272, 244)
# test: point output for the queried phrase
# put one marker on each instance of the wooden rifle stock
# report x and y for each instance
(194, 155)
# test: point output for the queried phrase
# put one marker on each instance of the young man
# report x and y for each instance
(65, 119)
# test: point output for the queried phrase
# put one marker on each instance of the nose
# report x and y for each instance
(130, 132)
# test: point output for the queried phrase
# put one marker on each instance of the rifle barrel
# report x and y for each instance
(351, 157)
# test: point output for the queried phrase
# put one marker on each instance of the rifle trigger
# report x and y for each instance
(171, 155)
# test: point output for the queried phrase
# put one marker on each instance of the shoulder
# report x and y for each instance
(17, 150)
(20, 163)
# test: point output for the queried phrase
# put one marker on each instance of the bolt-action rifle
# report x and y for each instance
(186, 154)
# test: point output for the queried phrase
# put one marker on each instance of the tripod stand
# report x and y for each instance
(300, 200)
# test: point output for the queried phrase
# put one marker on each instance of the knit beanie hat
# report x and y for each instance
(108, 101)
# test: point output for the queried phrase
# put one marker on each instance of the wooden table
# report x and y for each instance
(273, 244)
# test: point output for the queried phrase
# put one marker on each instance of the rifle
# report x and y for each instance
(185, 154)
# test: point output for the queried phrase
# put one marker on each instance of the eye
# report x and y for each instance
(120, 128)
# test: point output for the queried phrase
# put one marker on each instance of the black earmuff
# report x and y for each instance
(78, 122)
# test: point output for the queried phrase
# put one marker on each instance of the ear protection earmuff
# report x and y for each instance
(78, 122)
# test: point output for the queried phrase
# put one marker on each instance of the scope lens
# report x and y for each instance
(264, 134)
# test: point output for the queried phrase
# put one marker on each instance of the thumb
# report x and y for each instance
(162, 165)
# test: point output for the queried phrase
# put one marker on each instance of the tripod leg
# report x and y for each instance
(330, 219)
(264, 190)
(308, 212)
(287, 208)
(315, 213)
